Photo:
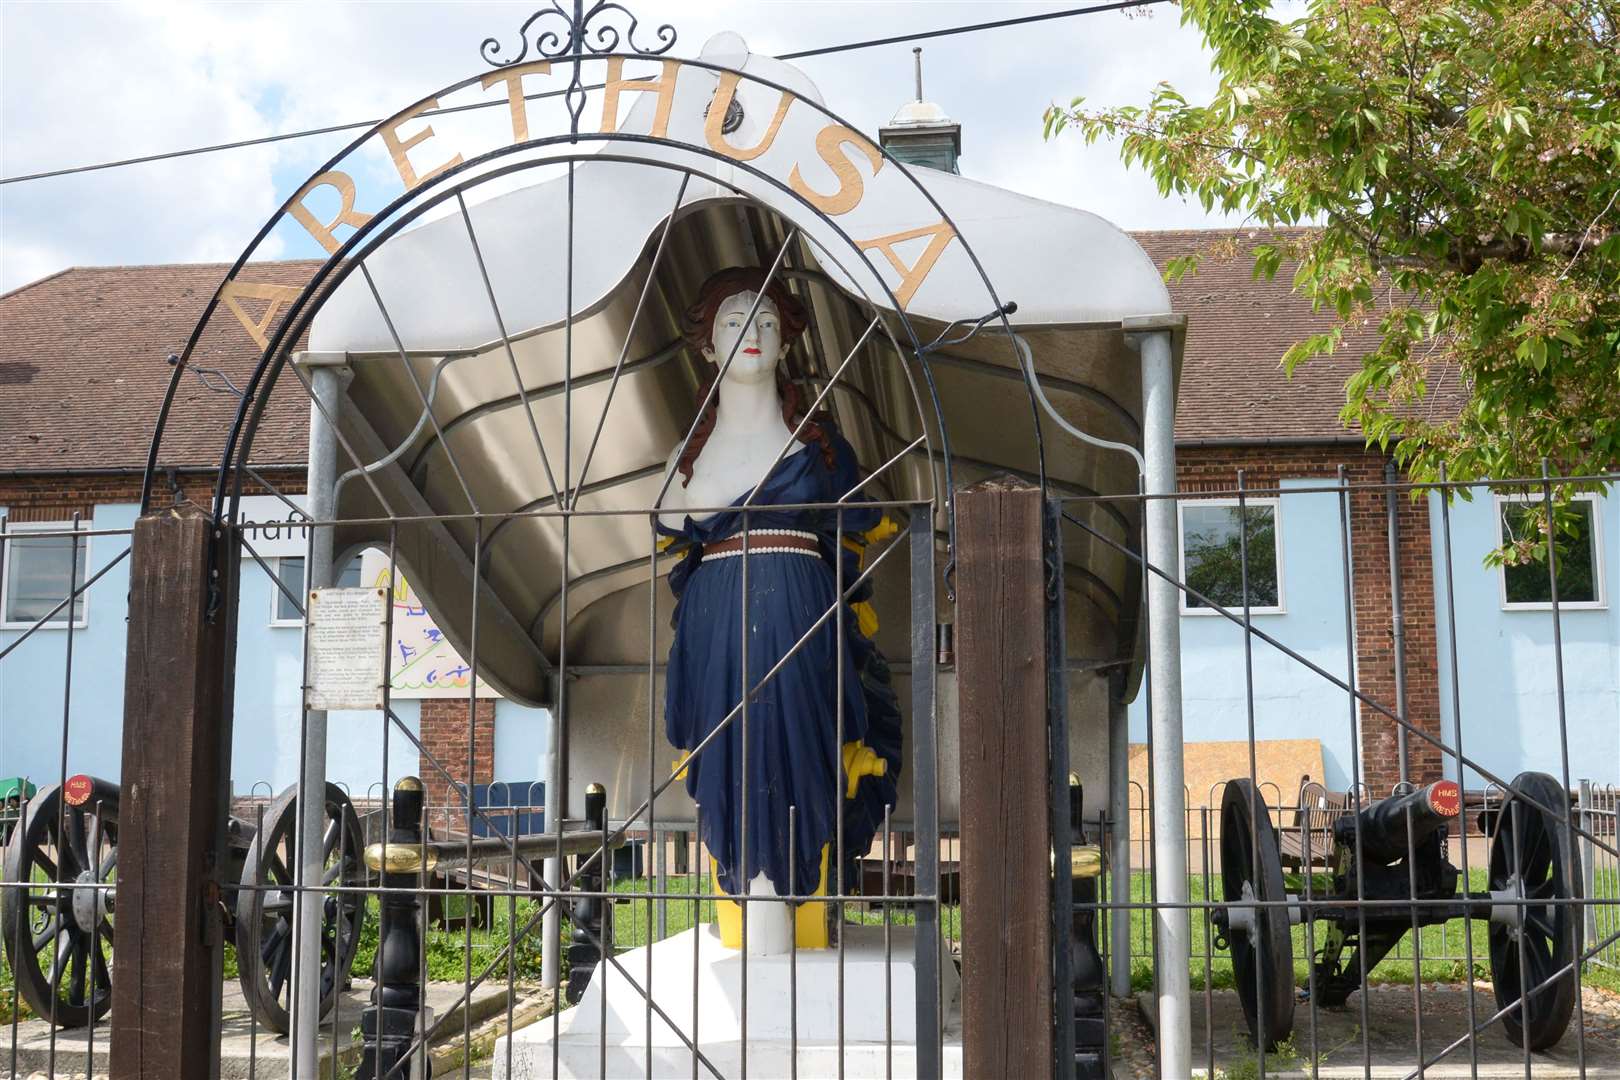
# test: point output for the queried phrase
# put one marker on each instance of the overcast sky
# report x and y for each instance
(88, 82)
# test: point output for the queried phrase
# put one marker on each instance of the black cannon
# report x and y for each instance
(59, 930)
(1533, 937)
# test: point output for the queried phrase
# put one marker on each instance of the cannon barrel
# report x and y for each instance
(430, 855)
(1383, 824)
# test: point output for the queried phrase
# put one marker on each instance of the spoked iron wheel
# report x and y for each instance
(1260, 938)
(264, 907)
(1532, 860)
(59, 929)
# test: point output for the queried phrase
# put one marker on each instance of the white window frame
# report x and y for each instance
(1275, 503)
(1599, 604)
(274, 570)
(273, 566)
(12, 531)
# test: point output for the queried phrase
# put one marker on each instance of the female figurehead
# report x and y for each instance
(754, 593)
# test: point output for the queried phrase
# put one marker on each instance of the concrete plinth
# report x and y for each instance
(608, 1032)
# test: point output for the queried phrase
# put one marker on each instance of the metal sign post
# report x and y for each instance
(328, 378)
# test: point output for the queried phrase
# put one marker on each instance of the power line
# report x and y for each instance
(286, 136)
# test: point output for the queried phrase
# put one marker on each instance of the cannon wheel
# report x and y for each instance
(1262, 951)
(1531, 857)
(264, 907)
(59, 939)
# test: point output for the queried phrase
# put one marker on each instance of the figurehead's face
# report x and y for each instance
(759, 343)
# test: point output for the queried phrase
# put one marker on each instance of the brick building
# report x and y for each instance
(83, 374)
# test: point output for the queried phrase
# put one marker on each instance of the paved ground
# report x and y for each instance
(1392, 1042)
(246, 1050)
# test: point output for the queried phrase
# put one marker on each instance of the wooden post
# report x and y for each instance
(176, 769)
(1006, 833)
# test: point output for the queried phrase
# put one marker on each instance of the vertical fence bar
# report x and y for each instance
(1061, 819)
(1348, 575)
(925, 790)
(1119, 808)
(1263, 917)
(1588, 850)
(1572, 921)
(1444, 497)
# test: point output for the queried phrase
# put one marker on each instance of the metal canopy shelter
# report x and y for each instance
(1076, 280)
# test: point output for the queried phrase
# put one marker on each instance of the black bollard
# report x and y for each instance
(592, 918)
(388, 1025)
(1085, 963)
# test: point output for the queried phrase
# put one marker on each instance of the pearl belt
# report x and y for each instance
(765, 542)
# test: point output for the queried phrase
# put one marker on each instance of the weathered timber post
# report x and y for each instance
(1007, 1018)
(176, 777)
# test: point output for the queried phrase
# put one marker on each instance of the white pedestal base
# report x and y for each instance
(610, 1026)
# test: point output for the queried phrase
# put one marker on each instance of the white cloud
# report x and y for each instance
(89, 84)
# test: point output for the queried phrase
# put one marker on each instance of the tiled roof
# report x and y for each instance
(1233, 388)
(83, 363)
(84, 367)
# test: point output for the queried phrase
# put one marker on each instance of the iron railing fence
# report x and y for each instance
(1507, 916)
(465, 923)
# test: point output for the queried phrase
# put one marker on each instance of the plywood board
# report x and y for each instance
(1281, 765)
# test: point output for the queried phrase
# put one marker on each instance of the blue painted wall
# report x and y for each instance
(520, 742)
(1290, 701)
(1506, 670)
(1506, 677)
(266, 743)
(33, 683)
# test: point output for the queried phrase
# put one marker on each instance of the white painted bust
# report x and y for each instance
(749, 432)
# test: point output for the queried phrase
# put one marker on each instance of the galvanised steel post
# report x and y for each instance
(1171, 924)
(1119, 809)
(329, 378)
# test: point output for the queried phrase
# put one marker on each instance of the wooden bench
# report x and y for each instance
(1314, 814)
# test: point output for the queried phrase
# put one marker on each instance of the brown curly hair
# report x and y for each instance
(698, 329)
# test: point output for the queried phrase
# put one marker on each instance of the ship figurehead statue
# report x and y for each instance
(757, 592)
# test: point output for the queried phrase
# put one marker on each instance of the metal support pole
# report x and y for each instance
(1397, 611)
(1119, 879)
(1171, 924)
(551, 869)
(328, 380)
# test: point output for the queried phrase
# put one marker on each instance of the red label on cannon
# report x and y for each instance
(1445, 798)
(77, 790)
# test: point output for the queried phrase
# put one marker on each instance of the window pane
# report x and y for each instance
(291, 572)
(1214, 557)
(350, 577)
(1577, 557)
(40, 572)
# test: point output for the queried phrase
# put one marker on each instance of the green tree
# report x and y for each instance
(1454, 169)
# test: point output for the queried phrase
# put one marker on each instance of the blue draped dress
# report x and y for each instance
(794, 746)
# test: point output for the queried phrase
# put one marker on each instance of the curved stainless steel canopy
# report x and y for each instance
(517, 388)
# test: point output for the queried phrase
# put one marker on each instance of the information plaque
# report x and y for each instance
(346, 648)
